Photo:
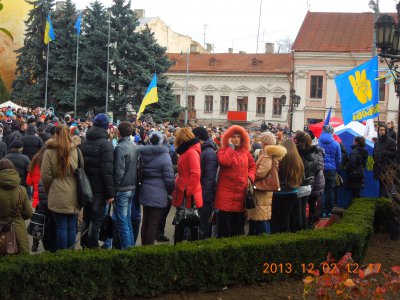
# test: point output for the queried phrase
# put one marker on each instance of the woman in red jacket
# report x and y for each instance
(237, 168)
(188, 179)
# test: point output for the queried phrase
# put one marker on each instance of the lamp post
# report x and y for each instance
(293, 104)
(187, 88)
(108, 57)
(388, 40)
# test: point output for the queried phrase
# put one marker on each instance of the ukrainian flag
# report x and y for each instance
(151, 95)
(48, 31)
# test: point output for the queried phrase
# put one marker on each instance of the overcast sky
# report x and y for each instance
(234, 23)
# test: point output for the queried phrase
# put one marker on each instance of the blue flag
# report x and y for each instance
(78, 24)
(328, 117)
(359, 93)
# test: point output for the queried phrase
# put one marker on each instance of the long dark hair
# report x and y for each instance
(37, 159)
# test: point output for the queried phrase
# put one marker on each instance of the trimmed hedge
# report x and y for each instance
(153, 270)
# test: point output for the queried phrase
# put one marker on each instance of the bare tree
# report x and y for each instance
(285, 45)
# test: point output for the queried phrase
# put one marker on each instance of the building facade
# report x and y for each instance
(218, 83)
(329, 44)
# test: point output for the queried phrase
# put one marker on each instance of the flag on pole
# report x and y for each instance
(48, 31)
(78, 24)
(328, 117)
(150, 97)
(359, 92)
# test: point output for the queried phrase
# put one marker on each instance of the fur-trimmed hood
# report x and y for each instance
(76, 141)
(275, 150)
(245, 139)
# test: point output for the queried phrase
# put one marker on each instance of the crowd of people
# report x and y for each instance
(137, 170)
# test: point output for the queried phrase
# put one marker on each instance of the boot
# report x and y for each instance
(35, 245)
(161, 237)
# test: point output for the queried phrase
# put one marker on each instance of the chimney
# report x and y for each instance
(140, 13)
(269, 48)
(242, 52)
(194, 48)
(230, 50)
(60, 5)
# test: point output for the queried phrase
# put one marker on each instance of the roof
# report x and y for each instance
(226, 63)
(335, 32)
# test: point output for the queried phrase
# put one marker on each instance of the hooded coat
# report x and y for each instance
(355, 167)
(209, 166)
(62, 192)
(158, 176)
(21, 163)
(189, 173)
(9, 197)
(384, 153)
(263, 208)
(236, 167)
(333, 155)
(32, 143)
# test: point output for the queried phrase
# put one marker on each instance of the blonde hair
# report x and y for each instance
(183, 135)
(291, 168)
(63, 149)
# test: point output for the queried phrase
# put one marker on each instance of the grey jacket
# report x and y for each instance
(125, 160)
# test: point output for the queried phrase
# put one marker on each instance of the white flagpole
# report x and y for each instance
(47, 76)
(76, 75)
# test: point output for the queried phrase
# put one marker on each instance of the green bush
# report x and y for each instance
(153, 270)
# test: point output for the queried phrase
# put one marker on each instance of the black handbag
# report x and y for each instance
(187, 216)
(250, 198)
(37, 225)
(85, 193)
(106, 230)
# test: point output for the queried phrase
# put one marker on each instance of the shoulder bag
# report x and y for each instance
(106, 230)
(250, 201)
(187, 216)
(85, 193)
(37, 225)
(269, 183)
(8, 238)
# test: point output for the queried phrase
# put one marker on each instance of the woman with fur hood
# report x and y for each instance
(237, 168)
(59, 162)
(270, 154)
(158, 183)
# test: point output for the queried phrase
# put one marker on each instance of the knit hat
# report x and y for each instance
(159, 135)
(268, 138)
(101, 120)
(201, 133)
(17, 144)
(328, 128)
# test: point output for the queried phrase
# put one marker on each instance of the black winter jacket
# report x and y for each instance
(98, 155)
(21, 163)
(355, 168)
(3, 149)
(32, 144)
(319, 178)
(308, 158)
(209, 166)
(384, 154)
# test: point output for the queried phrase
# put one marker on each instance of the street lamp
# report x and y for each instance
(388, 40)
(293, 104)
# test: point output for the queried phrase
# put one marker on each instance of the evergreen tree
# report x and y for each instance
(135, 58)
(29, 86)
(93, 60)
(62, 64)
(4, 95)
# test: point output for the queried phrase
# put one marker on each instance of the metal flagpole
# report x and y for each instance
(47, 76)
(108, 58)
(76, 75)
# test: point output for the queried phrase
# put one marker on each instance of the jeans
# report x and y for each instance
(93, 217)
(205, 214)
(330, 182)
(66, 230)
(136, 216)
(259, 227)
(123, 212)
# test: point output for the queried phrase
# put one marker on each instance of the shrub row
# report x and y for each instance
(153, 270)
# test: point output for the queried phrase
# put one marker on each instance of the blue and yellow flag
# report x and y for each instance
(48, 31)
(150, 97)
(359, 93)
